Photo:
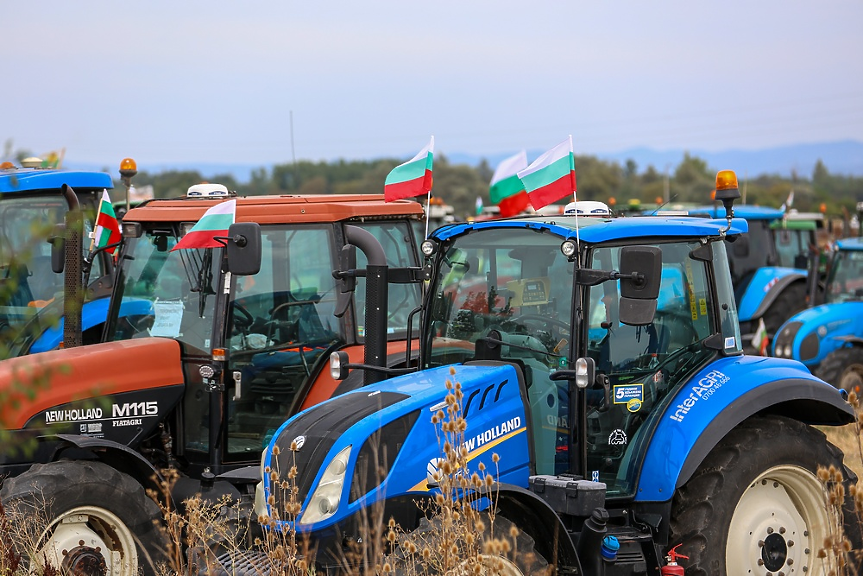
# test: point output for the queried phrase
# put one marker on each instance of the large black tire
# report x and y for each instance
(755, 505)
(89, 502)
(791, 301)
(523, 560)
(843, 368)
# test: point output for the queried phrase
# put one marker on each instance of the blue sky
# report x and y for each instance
(217, 81)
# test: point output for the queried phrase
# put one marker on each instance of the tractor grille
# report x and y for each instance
(320, 427)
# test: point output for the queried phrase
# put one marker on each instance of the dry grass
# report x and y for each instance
(847, 439)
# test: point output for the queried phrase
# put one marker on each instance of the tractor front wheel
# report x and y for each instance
(755, 505)
(844, 369)
(91, 519)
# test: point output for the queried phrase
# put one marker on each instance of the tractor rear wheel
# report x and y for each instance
(755, 505)
(844, 369)
(92, 519)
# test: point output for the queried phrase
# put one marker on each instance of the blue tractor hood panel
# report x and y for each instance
(826, 326)
(27, 180)
(594, 230)
(718, 398)
(493, 408)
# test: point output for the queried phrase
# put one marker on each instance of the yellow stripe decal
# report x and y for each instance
(422, 485)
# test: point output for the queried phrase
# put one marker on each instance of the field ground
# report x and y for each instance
(845, 438)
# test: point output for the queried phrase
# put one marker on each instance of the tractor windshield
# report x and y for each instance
(846, 277)
(513, 286)
(27, 282)
(165, 293)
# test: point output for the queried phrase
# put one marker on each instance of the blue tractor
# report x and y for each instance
(604, 381)
(770, 266)
(828, 338)
(34, 201)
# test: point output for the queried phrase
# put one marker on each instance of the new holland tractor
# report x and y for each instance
(604, 385)
(770, 269)
(828, 338)
(206, 352)
(35, 203)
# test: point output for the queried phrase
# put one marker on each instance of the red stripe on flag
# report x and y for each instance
(200, 239)
(408, 188)
(553, 192)
(512, 205)
(109, 223)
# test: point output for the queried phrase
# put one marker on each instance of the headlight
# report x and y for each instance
(787, 351)
(326, 498)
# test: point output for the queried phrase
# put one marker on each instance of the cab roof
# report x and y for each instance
(33, 179)
(279, 209)
(594, 230)
(745, 211)
(850, 244)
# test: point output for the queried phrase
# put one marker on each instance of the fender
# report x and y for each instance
(534, 516)
(113, 454)
(764, 288)
(720, 397)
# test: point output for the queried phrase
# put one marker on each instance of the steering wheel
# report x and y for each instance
(242, 321)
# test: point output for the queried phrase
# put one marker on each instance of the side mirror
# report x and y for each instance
(58, 249)
(641, 275)
(244, 248)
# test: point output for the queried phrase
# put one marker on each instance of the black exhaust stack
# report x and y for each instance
(377, 297)
(73, 292)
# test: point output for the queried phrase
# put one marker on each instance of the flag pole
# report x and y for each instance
(428, 212)
(575, 198)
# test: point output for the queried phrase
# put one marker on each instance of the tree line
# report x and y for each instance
(460, 185)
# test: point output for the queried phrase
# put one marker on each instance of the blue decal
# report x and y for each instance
(623, 393)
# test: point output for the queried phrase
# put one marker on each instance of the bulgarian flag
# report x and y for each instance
(413, 178)
(506, 190)
(214, 222)
(760, 338)
(107, 228)
(551, 176)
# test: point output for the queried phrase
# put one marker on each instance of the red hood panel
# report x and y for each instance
(31, 384)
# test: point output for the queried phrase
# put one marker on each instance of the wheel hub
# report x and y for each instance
(774, 553)
(84, 561)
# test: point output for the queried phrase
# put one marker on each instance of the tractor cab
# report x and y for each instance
(257, 319)
(34, 201)
(538, 298)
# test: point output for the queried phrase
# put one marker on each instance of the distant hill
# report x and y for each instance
(841, 158)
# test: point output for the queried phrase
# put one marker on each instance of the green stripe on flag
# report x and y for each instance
(214, 222)
(548, 174)
(505, 188)
(409, 171)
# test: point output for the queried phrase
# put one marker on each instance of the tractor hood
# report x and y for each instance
(39, 388)
(340, 445)
(810, 335)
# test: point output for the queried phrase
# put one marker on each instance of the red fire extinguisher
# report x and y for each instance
(673, 568)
